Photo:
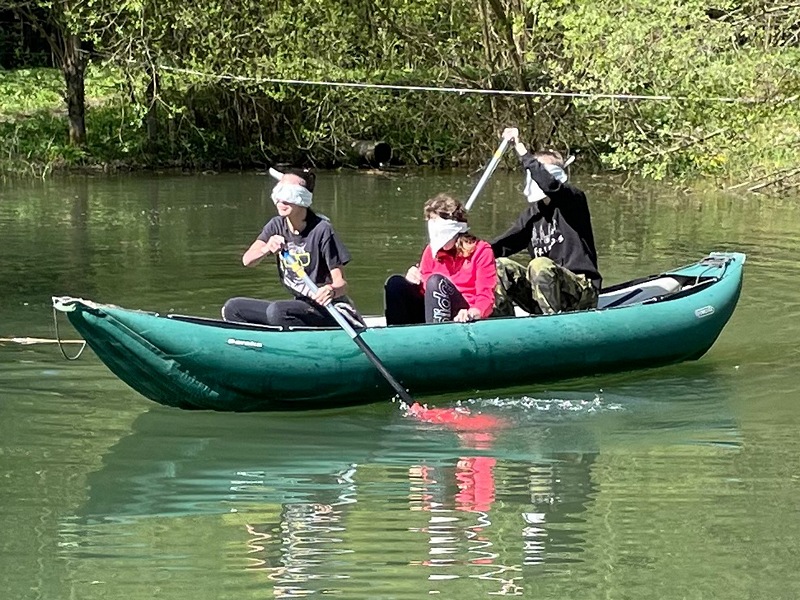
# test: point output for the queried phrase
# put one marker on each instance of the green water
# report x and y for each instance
(672, 483)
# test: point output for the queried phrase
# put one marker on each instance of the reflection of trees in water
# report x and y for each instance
(307, 536)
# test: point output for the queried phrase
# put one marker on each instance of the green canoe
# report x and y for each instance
(196, 363)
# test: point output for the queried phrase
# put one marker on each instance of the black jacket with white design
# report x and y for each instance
(560, 230)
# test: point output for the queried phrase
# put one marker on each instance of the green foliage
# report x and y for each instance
(182, 84)
(26, 90)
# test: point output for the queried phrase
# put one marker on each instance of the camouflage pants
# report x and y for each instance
(542, 287)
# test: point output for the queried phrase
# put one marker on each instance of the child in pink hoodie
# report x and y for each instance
(456, 276)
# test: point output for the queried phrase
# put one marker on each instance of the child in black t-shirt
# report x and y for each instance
(311, 240)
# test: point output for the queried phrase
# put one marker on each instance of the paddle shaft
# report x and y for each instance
(498, 154)
(295, 266)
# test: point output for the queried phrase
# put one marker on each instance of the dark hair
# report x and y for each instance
(551, 157)
(306, 174)
(448, 207)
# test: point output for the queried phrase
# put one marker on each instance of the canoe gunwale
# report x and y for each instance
(698, 283)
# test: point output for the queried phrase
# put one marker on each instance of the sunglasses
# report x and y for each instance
(442, 215)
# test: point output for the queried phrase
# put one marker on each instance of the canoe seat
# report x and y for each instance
(375, 321)
(632, 294)
(640, 292)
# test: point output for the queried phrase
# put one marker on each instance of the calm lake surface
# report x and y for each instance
(675, 483)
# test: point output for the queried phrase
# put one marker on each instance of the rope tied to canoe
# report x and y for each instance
(59, 305)
(65, 304)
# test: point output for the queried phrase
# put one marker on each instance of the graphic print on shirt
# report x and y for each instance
(290, 280)
(545, 235)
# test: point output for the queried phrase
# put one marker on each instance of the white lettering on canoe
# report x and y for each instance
(704, 312)
(245, 343)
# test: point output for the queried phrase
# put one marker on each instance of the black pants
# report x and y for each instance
(281, 313)
(406, 304)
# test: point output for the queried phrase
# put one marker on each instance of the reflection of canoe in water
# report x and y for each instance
(192, 362)
(178, 464)
(173, 465)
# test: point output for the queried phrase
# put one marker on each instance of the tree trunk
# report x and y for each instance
(74, 66)
(506, 30)
(151, 117)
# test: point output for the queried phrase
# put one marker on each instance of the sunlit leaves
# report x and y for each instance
(213, 63)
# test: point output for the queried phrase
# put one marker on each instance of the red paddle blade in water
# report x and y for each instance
(458, 419)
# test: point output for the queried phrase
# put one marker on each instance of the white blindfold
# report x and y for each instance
(441, 231)
(532, 190)
(291, 193)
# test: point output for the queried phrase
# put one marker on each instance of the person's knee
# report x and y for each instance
(403, 301)
(436, 280)
(541, 263)
(395, 284)
(503, 262)
(439, 285)
(541, 269)
(398, 290)
(510, 273)
(230, 310)
(275, 313)
(506, 267)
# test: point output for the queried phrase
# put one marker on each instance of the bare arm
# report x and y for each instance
(337, 287)
(259, 249)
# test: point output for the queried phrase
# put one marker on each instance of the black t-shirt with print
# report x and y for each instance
(317, 248)
(560, 230)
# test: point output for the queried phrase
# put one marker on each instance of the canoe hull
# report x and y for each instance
(212, 365)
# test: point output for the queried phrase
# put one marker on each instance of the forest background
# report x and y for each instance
(674, 88)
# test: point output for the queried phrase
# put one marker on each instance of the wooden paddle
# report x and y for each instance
(498, 154)
(298, 270)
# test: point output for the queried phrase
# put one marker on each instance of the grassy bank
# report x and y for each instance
(33, 124)
(762, 155)
(34, 135)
